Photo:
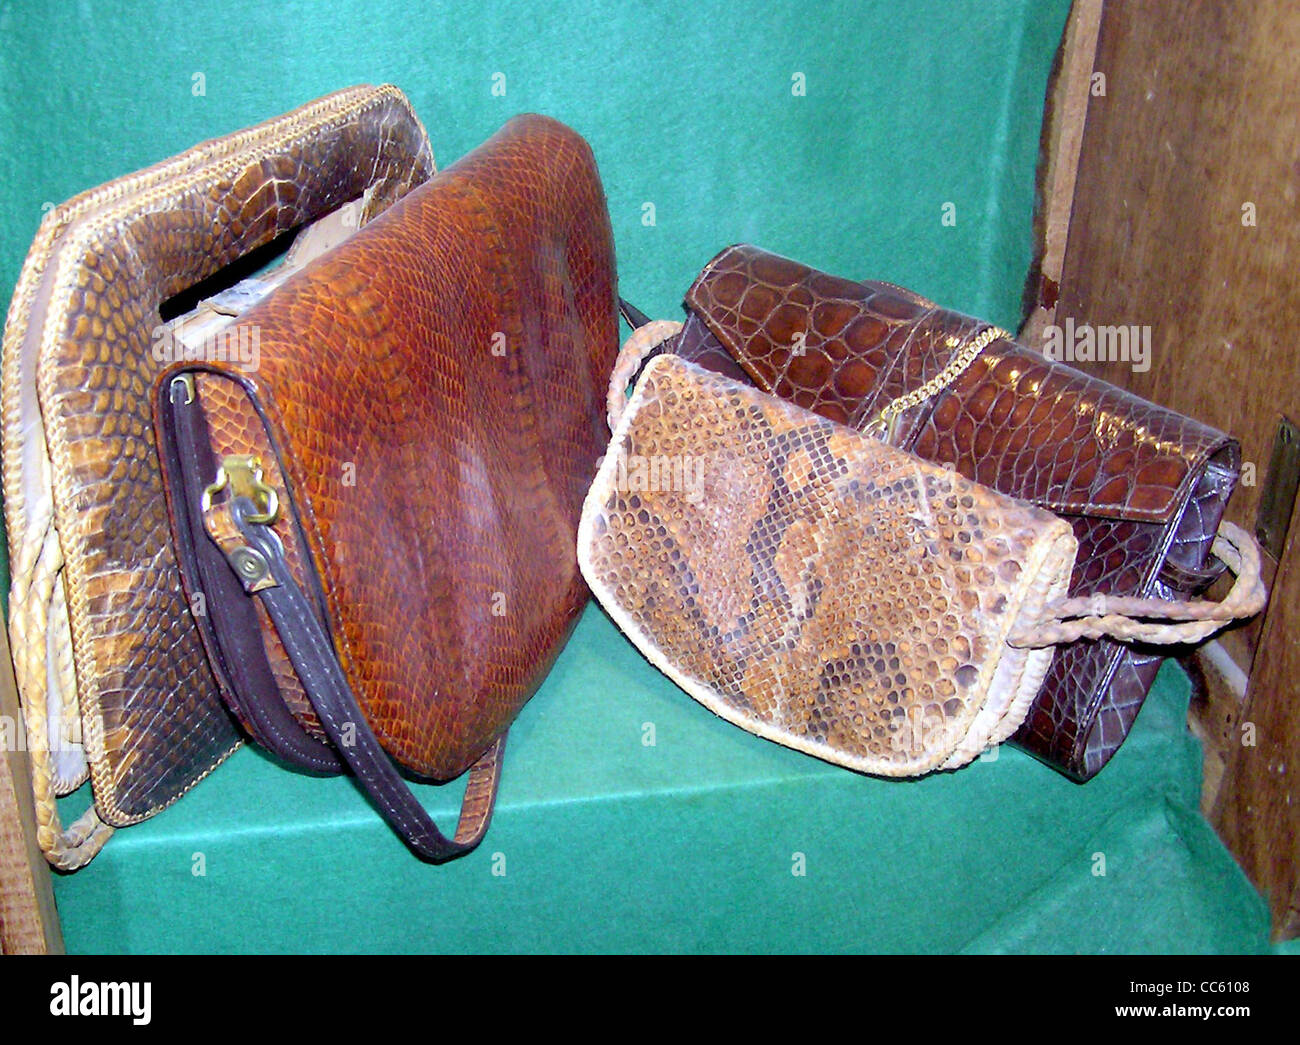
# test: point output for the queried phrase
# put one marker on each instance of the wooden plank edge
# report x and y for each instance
(29, 921)
(1064, 119)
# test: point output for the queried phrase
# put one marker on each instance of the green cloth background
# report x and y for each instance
(608, 843)
(689, 845)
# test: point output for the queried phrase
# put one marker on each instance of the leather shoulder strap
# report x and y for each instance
(256, 557)
(264, 572)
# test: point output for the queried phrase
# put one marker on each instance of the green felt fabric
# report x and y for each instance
(608, 843)
(688, 844)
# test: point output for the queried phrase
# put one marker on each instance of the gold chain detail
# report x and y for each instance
(957, 365)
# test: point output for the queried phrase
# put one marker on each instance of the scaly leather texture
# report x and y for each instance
(234, 427)
(1143, 487)
(429, 406)
(312, 654)
(82, 487)
(813, 585)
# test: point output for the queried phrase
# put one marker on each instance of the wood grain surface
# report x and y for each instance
(1184, 221)
(29, 923)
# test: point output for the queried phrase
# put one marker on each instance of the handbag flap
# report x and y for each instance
(431, 392)
(1015, 420)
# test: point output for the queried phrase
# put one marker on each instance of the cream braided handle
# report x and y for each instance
(644, 340)
(1155, 620)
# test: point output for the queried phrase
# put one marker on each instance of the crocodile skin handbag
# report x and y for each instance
(379, 522)
(112, 676)
(815, 583)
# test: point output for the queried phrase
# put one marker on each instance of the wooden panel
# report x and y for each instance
(1184, 221)
(1258, 807)
(1064, 113)
(28, 922)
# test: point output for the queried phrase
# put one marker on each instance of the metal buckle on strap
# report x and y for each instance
(242, 473)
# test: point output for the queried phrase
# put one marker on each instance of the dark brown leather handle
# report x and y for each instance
(231, 631)
(312, 654)
(233, 636)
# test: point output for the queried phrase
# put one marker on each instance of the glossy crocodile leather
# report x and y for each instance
(1143, 487)
(80, 339)
(432, 392)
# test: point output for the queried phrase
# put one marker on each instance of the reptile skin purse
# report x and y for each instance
(380, 521)
(111, 672)
(1143, 488)
(813, 585)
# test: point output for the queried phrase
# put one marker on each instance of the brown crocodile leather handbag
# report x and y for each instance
(112, 676)
(379, 520)
(1144, 487)
(833, 593)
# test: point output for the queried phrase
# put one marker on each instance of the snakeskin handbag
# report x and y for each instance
(1143, 487)
(112, 677)
(380, 521)
(830, 592)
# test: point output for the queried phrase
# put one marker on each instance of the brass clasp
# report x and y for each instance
(243, 474)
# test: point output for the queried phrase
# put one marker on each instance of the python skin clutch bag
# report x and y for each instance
(813, 585)
(112, 677)
(826, 590)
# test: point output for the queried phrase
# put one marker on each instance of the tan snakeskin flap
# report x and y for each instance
(813, 585)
